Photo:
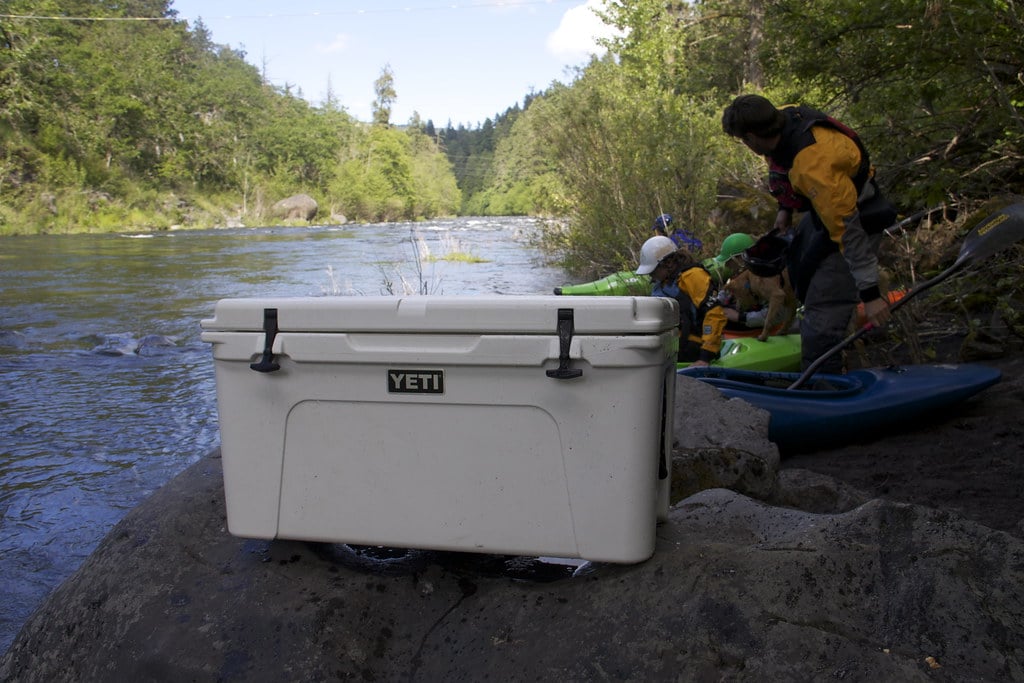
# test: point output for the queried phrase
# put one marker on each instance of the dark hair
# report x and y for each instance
(679, 260)
(752, 114)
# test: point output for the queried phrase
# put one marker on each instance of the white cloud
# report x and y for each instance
(575, 37)
(339, 44)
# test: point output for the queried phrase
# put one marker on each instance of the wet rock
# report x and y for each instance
(736, 590)
(12, 339)
(154, 345)
(115, 345)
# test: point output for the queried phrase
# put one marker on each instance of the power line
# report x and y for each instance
(312, 14)
(36, 17)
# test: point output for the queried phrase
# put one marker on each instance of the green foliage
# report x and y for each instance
(473, 158)
(931, 86)
(523, 177)
(153, 124)
(934, 89)
(125, 109)
(376, 186)
(435, 191)
(625, 154)
(393, 175)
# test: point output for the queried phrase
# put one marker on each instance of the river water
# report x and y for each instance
(106, 390)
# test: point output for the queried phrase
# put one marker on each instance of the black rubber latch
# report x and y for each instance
(565, 330)
(267, 362)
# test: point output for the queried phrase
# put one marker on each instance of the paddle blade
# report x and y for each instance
(999, 231)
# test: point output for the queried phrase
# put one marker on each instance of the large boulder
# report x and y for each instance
(736, 590)
(300, 207)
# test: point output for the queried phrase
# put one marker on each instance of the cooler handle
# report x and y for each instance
(565, 330)
(267, 362)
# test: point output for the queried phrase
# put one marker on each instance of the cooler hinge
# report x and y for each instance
(267, 362)
(565, 330)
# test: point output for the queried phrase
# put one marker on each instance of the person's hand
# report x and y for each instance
(876, 312)
(783, 219)
(699, 364)
(731, 314)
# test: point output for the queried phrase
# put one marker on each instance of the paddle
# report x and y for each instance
(912, 218)
(997, 232)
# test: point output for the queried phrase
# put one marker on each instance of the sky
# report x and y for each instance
(457, 61)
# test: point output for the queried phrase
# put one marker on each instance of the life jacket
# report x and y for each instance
(796, 136)
(691, 313)
(806, 251)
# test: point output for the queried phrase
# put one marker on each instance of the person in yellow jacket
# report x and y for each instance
(819, 166)
(675, 274)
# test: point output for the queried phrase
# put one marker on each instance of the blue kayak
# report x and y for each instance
(834, 410)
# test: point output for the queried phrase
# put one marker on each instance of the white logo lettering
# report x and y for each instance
(416, 381)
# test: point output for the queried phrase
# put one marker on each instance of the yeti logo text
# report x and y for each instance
(415, 381)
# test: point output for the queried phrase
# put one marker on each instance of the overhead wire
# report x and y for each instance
(487, 4)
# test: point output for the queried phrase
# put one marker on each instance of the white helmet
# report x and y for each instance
(653, 250)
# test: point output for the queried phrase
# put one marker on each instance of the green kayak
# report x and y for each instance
(623, 283)
(780, 353)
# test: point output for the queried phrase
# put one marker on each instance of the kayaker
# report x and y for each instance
(675, 274)
(684, 239)
(820, 166)
(727, 263)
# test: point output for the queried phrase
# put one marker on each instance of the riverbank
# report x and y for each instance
(969, 461)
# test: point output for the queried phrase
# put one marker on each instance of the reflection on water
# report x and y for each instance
(106, 391)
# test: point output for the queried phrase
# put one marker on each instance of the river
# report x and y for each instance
(107, 391)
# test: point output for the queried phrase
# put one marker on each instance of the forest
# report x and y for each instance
(128, 125)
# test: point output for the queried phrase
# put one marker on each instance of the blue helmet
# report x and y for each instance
(662, 222)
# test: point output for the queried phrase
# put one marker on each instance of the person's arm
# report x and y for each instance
(696, 284)
(782, 189)
(712, 329)
(754, 319)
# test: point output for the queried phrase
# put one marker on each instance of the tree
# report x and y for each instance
(384, 88)
(625, 153)
(934, 88)
(330, 102)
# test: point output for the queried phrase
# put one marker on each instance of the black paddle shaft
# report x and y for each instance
(1002, 229)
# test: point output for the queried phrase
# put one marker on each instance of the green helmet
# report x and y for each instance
(734, 244)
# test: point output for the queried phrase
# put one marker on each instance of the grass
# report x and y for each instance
(394, 280)
(453, 251)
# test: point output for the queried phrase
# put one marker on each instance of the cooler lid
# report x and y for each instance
(481, 314)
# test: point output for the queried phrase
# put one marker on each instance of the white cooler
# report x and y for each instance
(525, 425)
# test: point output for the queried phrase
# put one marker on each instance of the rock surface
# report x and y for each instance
(720, 443)
(736, 590)
(849, 587)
